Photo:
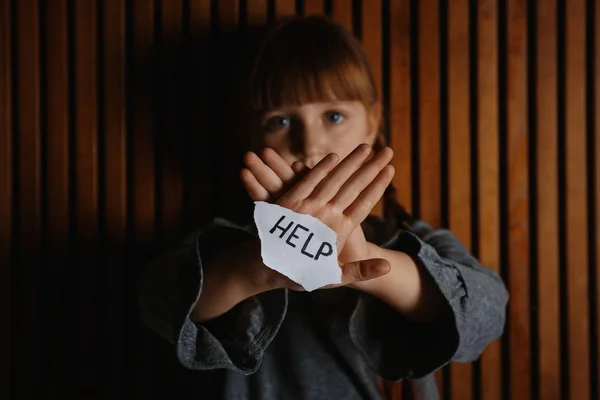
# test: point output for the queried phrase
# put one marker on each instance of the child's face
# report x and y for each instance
(309, 132)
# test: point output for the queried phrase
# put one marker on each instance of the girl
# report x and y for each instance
(412, 298)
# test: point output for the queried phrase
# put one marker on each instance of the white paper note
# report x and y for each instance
(297, 245)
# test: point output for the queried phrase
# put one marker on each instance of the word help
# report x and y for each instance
(297, 245)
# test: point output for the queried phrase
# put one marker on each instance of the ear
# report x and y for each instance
(374, 122)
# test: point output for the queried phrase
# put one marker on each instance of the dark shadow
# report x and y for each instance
(77, 292)
(196, 84)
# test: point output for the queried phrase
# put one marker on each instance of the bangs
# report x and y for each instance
(310, 60)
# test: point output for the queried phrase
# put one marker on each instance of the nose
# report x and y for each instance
(308, 143)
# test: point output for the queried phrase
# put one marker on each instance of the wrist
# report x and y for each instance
(250, 275)
(408, 288)
(220, 292)
(229, 278)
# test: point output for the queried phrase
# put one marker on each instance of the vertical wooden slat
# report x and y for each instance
(371, 39)
(142, 183)
(313, 7)
(459, 168)
(143, 150)
(596, 72)
(169, 151)
(200, 14)
(285, 9)
(227, 173)
(429, 112)
(115, 190)
(171, 129)
(26, 349)
(400, 105)
(6, 182)
(372, 45)
(198, 183)
(400, 129)
(257, 12)
(199, 204)
(488, 174)
(58, 186)
(547, 202)
(429, 120)
(518, 199)
(576, 207)
(229, 13)
(341, 11)
(86, 188)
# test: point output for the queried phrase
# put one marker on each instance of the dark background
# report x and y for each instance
(117, 134)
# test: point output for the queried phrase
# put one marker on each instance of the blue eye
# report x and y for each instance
(334, 117)
(277, 122)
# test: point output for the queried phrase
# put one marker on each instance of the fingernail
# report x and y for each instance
(381, 266)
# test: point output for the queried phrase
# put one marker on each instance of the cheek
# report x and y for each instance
(281, 145)
(273, 140)
(349, 137)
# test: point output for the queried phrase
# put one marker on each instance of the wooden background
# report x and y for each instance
(108, 149)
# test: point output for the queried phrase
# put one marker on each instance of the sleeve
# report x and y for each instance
(169, 289)
(399, 349)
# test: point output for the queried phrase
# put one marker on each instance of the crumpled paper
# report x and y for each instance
(299, 246)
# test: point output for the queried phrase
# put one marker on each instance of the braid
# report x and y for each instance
(395, 212)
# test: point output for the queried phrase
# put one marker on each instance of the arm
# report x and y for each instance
(408, 288)
(226, 281)
(436, 304)
(465, 309)
(235, 329)
(413, 285)
(215, 300)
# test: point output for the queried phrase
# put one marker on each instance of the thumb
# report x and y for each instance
(364, 270)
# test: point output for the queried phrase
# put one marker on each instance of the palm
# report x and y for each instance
(355, 247)
(341, 196)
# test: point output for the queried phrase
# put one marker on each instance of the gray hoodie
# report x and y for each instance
(326, 344)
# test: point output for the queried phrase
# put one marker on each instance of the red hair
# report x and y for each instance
(310, 59)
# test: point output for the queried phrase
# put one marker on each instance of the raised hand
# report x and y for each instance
(340, 194)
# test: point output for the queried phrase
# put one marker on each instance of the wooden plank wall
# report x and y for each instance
(107, 151)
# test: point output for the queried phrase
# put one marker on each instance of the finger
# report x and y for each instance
(330, 186)
(355, 185)
(360, 271)
(255, 190)
(263, 174)
(278, 165)
(306, 185)
(364, 203)
(300, 168)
